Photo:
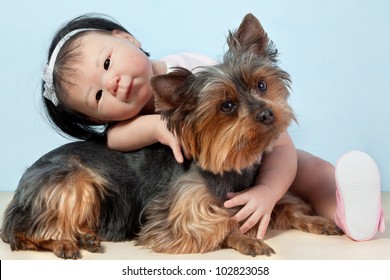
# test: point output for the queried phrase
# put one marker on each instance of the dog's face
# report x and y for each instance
(229, 114)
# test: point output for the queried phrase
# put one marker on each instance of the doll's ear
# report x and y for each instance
(171, 90)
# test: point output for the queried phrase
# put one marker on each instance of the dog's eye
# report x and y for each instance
(228, 107)
(262, 86)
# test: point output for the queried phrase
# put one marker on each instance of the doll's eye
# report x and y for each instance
(106, 64)
(99, 95)
(228, 107)
(262, 86)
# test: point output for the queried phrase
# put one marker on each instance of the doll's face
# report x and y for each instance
(112, 77)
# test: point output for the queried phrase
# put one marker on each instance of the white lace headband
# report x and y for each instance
(47, 72)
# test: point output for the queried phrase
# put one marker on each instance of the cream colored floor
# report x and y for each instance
(291, 244)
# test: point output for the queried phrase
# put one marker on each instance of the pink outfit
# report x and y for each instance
(187, 60)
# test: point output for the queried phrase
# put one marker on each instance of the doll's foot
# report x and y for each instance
(359, 213)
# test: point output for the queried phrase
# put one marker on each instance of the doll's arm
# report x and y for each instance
(140, 132)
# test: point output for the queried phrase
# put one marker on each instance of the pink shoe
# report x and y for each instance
(359, 213)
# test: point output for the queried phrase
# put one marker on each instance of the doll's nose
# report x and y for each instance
(112, 84)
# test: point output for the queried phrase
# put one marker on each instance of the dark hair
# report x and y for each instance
(67, 121)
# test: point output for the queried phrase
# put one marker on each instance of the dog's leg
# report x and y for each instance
(190, 219)
(56, 212)
(186, 219)
(247, 245)
(292, 212)
(62, 249)
(89, 240)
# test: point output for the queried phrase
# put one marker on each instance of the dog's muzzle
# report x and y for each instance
(266, 116)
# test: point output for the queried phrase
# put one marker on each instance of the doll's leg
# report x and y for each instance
(315, 183)
(348, 194)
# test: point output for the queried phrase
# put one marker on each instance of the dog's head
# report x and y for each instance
(227, 115)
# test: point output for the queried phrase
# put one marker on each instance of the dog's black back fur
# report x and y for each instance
(134, 179)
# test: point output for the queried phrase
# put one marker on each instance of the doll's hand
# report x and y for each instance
(258, 204)
(164, 136)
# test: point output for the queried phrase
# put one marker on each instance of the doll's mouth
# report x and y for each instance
(129, 91)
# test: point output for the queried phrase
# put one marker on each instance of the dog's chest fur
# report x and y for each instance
(221, 184)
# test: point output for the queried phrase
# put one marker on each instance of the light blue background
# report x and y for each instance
(337, 52)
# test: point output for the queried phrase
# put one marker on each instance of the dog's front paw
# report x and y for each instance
(66, 250)
(89, 241)
(254, 247)
(248, 245)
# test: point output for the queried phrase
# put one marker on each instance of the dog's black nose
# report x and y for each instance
(266, 116)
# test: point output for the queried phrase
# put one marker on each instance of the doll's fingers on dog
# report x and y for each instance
(176, 149)
(186, 153)
(263, 225)
(243, 214)
(249, 210)
(174, 143)
(235, 199)
(230, 195)
(253, 218)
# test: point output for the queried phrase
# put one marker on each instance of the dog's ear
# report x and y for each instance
(251, 37)
(171, 90)
(173, 96)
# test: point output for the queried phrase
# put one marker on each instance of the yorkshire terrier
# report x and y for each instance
(227, 116)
